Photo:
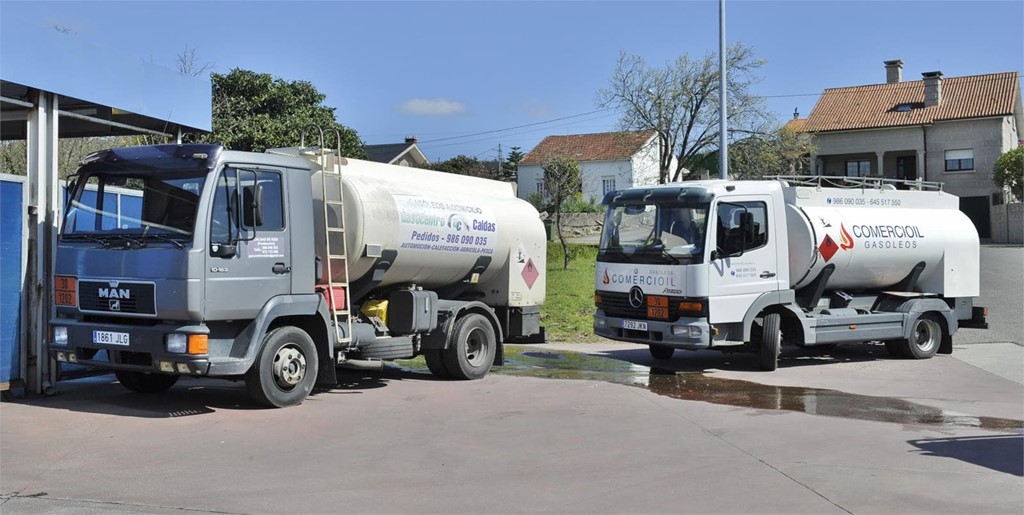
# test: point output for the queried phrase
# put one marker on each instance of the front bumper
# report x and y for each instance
(144, 352)
(683, 333)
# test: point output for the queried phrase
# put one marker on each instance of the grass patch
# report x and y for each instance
(568, 311)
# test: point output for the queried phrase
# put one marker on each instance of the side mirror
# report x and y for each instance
(223, 250)
(252, 206)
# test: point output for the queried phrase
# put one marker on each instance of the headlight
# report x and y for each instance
(176, 343)
(60, 335)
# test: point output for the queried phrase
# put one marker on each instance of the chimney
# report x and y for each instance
(893, 71)
(410, 139)
(932, 88)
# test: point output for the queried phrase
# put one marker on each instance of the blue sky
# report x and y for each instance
(462, 76)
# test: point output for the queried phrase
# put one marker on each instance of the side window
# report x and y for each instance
(237, 193)
(742, 226)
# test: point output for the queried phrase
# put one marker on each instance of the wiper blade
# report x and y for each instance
(102, 241)
(661, 251)
(129, 241)
(161, 237)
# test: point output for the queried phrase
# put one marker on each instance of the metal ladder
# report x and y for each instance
(332, 189)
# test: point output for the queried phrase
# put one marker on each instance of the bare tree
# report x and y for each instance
(680, 102)
(561, 180)
(188, 63)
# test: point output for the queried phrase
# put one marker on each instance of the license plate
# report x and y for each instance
(634, 325)
(110, 337)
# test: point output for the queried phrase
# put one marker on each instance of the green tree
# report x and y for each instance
(561, 180)
(255, 111)
(680, 102)
(510, 168)
(1009, 172)
(782, 151)
(462, 165)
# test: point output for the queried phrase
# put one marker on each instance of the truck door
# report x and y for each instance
(746, 263)
(248, 212)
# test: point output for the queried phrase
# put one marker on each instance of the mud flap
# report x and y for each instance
(946, 346)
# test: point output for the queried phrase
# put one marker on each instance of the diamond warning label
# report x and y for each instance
(828, 248)
(530, 273)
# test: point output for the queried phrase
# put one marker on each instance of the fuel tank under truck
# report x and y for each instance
(437, 229)
(874, 239)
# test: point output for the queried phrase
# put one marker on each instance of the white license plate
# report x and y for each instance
(634, 325)
(110, 337)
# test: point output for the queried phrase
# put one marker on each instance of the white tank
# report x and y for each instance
(439, 223)
(875, 238)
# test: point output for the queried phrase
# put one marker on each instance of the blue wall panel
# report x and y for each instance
(11, 212)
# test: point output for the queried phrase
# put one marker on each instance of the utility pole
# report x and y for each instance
(723, 145)
(499, 160)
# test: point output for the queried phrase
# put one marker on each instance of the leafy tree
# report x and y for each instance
(561, 180)
(782, 151)
(1009, 172)
(70, 151)
(255, 111)
(463, 165)
(680, 102)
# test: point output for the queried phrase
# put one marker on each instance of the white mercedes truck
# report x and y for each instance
(748, 265)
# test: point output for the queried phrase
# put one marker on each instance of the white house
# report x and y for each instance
(608, 161)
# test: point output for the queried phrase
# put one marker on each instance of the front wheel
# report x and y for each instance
(925, 337)
(285, 369)
(471, 348)
(145, 382)
(771, 342)
(661, 351)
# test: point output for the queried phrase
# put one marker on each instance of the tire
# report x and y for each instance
(925, 337)
(471, 348)
(145, 382)
(435, 362)
(661, 351)
(771, 342)
(285, 368)
(895, 349)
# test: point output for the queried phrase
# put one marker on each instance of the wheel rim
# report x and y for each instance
(289, 366)
(926, 334)
(476, 347)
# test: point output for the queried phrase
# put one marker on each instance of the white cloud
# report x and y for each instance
(534, 108)
(432, 107)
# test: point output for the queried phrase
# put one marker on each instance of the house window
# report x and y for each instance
(858, 168)
(607, 185)
(959, 160)
(540, 188)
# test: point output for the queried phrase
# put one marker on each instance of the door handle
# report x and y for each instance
(767, 275)
(280, 268)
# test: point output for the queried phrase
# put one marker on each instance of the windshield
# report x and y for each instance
(657, 233)
(134, 207)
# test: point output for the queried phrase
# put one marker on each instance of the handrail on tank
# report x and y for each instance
(839, 181)
(302, 139)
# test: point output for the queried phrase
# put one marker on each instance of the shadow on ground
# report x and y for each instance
(1002, 453)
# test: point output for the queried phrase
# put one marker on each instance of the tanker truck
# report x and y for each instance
(276, 268)
(811, 261)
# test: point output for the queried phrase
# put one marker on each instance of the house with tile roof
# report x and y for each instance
(608, 161)
(949, 130)
(402, 154)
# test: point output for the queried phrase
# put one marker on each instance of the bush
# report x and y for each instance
(576, 204)
(1009, 172)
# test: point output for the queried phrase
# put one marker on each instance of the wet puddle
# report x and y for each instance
(694, 386)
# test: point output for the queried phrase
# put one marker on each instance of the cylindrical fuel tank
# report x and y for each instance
(875, 248)
(441, 225)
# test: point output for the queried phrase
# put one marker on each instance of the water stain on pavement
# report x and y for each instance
(694, 386)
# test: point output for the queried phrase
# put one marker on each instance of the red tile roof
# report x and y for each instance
(874, 106)
(605, 146)
(797, 124)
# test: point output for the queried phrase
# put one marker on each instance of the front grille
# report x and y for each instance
(617, 305)
(113, 297)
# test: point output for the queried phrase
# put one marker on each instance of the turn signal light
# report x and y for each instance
(691, 306)
(198, 344)
(597, 299)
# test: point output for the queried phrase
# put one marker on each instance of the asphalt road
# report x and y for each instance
(1002, 292)
(845, 431)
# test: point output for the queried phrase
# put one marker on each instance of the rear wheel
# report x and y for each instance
(435, 362)
(661, 351)
(145, 382)
(471, 348)
(285, 369)
(771, 342)
(925, 338)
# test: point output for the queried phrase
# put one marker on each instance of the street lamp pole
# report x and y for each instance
(723, 145)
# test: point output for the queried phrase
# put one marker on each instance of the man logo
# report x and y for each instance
(115, 305)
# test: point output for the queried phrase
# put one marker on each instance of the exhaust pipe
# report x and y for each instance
(370, 365)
